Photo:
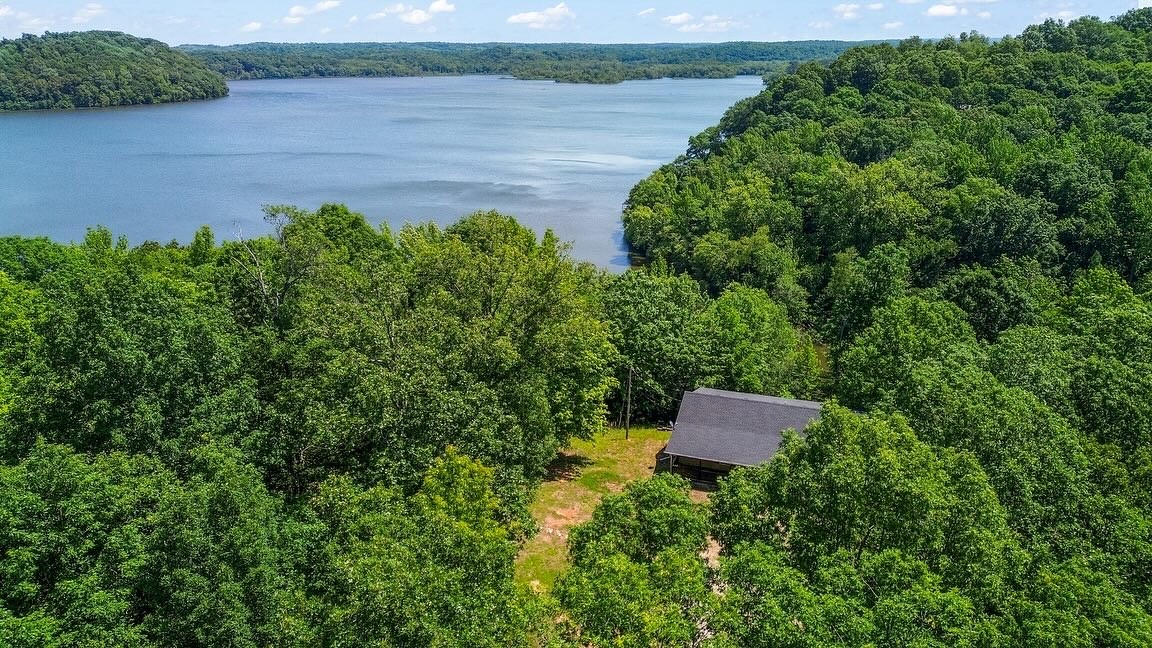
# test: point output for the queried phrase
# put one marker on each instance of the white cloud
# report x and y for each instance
(550, 18)
(847, 11)
(87, 13)
(893, 25)
(5, 10)
(297, 13)
(985, 14)
(950, 8)
(712, 23)
(820, 24)
(412, 15)
(945, 10)
(678, 19)
(851, 10)
(416, 17)
(251, 27)
(651, 10)
(325, 30)
(34, 23)
(1065, 15)
(397, 8)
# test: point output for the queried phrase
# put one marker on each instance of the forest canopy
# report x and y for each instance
(95, 69)
(962, 226)
(324, 436)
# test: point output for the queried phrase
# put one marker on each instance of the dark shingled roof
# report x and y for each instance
(735, 428)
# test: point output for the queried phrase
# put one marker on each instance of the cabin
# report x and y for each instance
(717, 430)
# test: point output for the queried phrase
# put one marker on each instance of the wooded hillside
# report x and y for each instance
(965, 227)
(94, 69)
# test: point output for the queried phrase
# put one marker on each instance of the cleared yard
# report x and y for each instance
(576, 482)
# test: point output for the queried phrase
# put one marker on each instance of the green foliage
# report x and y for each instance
(375, 352)
(756, 349)
(115, 550)
(98, 69)
(1076, 606)
(1010, 293)
(435, 570)
(655, 320)
(957, 153)
(860, 484)
(858, 286)
(884, 599)
(673, 338)
(649, 517)
(907, 331)
(636, 577)
(276, 441)
(18, 340)
(862, 534)
(131, 359)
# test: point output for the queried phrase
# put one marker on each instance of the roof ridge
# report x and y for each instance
(790, 402)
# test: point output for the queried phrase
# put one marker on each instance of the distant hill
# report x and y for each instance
(97, 68)
(568, 62)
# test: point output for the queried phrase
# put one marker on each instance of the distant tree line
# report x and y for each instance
(567, 62)
(95, 69)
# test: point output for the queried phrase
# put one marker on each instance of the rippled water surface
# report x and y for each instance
(554, 155)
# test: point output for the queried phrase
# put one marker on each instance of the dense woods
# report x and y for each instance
(567, 62)
(329, 435)
(963, 226)
(326, 436)
(94, 69)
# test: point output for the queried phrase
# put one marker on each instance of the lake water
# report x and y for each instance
(401, 150)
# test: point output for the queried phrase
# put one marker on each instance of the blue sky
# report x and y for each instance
(241, 21)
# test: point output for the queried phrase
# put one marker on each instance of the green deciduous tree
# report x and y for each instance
(432, 570)
(636, 577)
(867, 484)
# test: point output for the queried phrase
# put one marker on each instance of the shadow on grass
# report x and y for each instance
(566, 467)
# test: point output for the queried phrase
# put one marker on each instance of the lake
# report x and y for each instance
(399, 150)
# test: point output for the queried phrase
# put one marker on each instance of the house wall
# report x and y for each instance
(699, 471)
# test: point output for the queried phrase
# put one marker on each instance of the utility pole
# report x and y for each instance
(628, 407)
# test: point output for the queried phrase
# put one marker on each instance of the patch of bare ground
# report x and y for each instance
(576, 482)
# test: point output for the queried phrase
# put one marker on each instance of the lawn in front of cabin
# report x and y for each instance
(577, 480)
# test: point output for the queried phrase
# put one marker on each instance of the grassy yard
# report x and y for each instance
(577, 480)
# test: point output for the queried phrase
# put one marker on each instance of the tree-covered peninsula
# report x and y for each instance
(96, 69)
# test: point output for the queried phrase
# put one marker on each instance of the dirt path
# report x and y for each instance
(576, 482)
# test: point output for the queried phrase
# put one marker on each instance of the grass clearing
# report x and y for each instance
(577, 480)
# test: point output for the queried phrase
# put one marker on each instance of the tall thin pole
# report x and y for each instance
(628, 407)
